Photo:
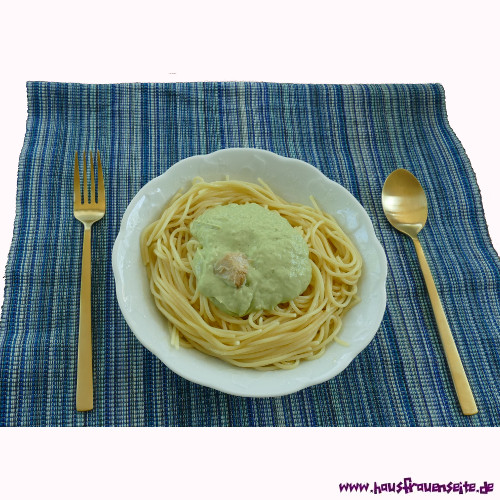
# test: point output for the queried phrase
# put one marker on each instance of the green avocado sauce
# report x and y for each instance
(249, 258)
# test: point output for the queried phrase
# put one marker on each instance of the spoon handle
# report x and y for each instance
(462, 387)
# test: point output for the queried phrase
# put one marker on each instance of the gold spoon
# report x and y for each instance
(405, 206)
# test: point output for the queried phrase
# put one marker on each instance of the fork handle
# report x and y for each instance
(462, 387)
(84, 382)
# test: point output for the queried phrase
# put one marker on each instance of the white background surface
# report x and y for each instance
(454, 43)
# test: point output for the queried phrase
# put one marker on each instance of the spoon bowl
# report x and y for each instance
(405, 206)
(404, 202)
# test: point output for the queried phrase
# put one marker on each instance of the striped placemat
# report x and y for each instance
(356, 135)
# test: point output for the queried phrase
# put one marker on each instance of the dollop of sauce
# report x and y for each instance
(249, 258)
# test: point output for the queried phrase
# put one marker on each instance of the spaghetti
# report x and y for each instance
(298, 330)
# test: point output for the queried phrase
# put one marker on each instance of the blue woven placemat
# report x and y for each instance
(356, 135)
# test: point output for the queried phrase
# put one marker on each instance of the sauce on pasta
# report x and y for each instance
(248, 258)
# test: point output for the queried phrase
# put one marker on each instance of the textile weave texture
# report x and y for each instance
(356, 135)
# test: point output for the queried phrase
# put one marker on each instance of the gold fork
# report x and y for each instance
(87, 212)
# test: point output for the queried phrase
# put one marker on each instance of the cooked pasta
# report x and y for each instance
(291, 332)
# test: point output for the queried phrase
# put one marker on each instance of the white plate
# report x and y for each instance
(295, 181)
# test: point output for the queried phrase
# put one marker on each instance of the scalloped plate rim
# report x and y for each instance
(241, 382)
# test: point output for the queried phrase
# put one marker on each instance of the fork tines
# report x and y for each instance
(99, 202)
